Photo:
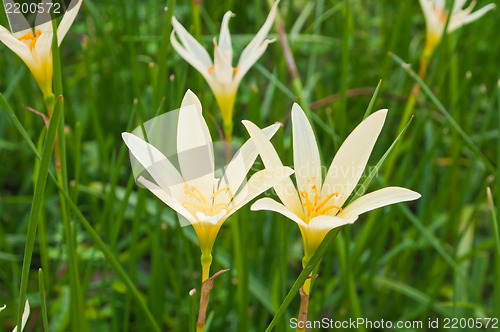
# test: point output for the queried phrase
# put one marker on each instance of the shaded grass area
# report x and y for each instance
(436, 257)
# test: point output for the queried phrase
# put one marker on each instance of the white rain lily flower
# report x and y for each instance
(220, 75)
(24, 318)
(436, 16)
(33, 45)
(318, 206)
(194, 192)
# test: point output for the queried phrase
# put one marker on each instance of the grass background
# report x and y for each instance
(436, 257)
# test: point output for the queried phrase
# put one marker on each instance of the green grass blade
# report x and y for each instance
(42, 301)
(36, 205)
(372, 100)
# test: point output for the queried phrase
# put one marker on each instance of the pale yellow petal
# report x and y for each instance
(223, 70)
(237, 169)
(350, 161)
(68, 19)
(379, 198)
(270, 204)
(24, 319)
(225, 38)
(286, 189)
(161, 169)
(195, 150)
(258, 183)
(306, 161)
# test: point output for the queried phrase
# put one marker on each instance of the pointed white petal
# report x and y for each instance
(43, 46)
(258, 183)
(43, 21)
(244, 64)
(379, 198)
(25, 317)
(214, 220)
(270, 204)
(191, 45)
(223, 69)
(171, 201)
(306, 162)
(286, 189)
(457, 5)
(242, 161)
(325, 223)
(225, 38)
(160, 168)
(16, 46)
(68, 19)
(478, 13)
(259, 37)
(3, 307)
(201, 67)
(194, 149)
(350, 161)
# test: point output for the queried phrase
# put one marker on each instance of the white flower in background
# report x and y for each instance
(194, 192)
(318, 206)
(436, 16)
(24, 319)
(33, 45)
(220, 75)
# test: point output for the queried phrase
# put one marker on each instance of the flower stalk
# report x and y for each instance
(206, 287)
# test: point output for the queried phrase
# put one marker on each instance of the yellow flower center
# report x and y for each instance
(30, 39)
(203, 205)
(315, 207)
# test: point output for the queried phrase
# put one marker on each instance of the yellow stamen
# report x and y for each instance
(219, 191)
(316, 209)
(29, 36)
(211, 68)
(235, 70)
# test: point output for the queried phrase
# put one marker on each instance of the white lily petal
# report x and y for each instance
(43, 21)
(43, 46)
(161, 169)
(306, 162)
(457, 5)
(25, 316)
(17, 22)
(171, 201)
(225, 38)
(270, 204)
(195, 150)
(68, 19)
(350, 161)
(223, 70)
(3, 307)
(259, 37)
(258, 183)
(325, 223)
(478, 13)
(16, 46)
(214, 220)
(379, 198)
(191, 45)
(246, 63)
(286, 189)
(242, 161)
(191, 59)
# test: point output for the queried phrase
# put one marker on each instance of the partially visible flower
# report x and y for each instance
(319, 206)
(220, 75)
(194, 192)
(33, 45)
(436, 16)
(26, 314)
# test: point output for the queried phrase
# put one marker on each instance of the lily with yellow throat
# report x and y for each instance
(221, 76)
(34, 45)
(194, 192)
(318, 206)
